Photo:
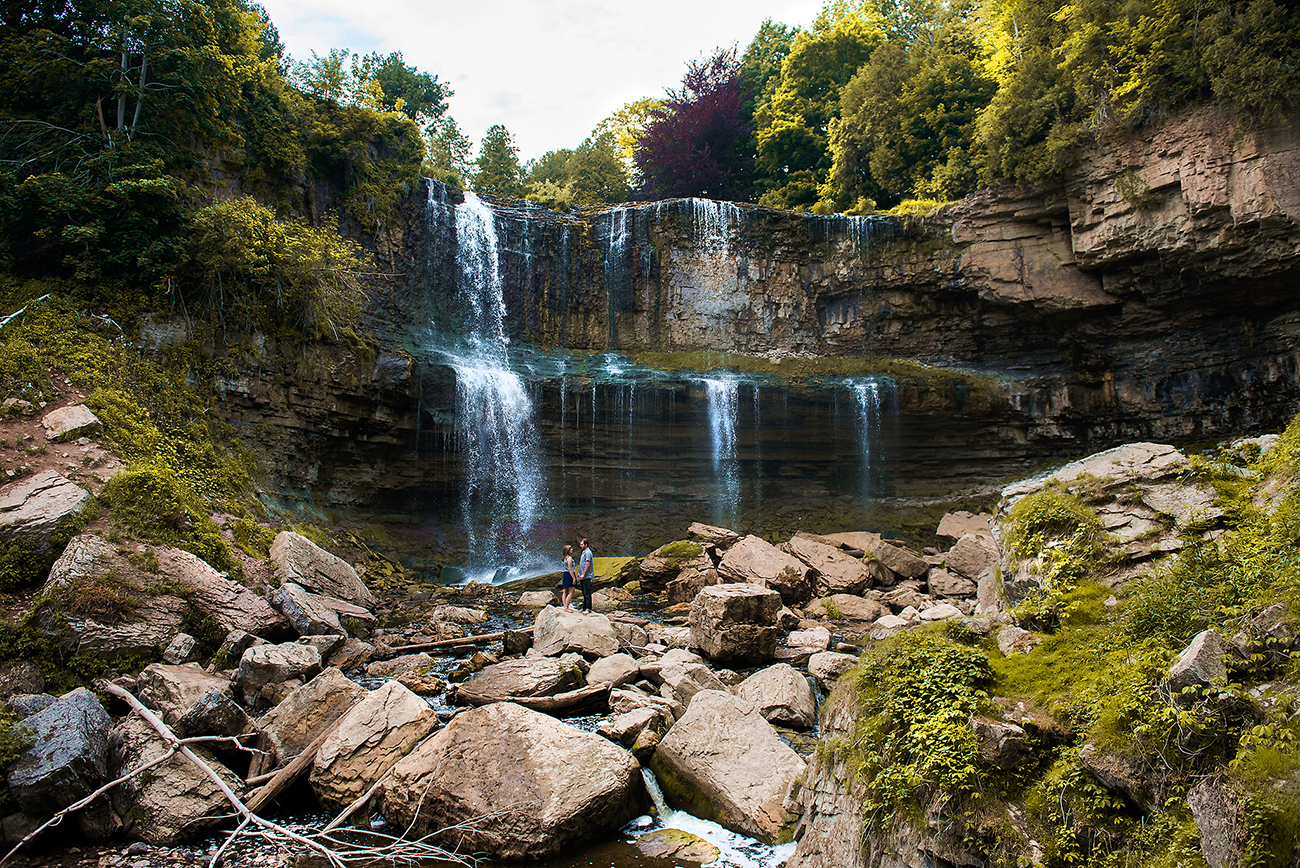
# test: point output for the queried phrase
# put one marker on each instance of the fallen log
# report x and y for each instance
(291, 771)
(582, 700)
(446, 643)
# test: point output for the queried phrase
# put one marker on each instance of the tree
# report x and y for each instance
(499, 172)
(694, 144)
(422, 97)
(627, 124)
(447, 152)
(596, 171)
(793, 157)
(907, 119)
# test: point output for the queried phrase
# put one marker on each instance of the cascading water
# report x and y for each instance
(722, 395)
(496, 432)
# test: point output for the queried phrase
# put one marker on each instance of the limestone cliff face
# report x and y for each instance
(1147, 297)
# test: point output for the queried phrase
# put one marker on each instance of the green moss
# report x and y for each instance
(254, 539)
(682, 550)
(154, 505)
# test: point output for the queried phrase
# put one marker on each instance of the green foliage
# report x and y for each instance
(21, 373)
(153, 504)
(1047, 516)
(499, 172)
(20, 563)
(255, 270)
(254, 539)
(915, 693)
(592, 174)
(447, 153)
(682, 550)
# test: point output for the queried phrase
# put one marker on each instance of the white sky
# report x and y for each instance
(549, 70)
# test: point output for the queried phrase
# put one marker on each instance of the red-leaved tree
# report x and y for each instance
(696, 143)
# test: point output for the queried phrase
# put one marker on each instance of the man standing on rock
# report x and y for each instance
(586, 572)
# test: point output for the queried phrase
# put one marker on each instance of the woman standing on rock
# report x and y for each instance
(567, 582)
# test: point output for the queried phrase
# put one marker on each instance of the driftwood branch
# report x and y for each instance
(291, 771)
(446, 643)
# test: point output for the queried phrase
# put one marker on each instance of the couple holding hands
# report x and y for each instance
(586, 572)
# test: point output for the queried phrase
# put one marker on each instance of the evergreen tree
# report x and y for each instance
(499, 172)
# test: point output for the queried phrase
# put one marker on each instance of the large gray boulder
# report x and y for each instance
(614, 670)
(722, 761)
(829, 666)
(69, 423)
(34, 509)
(171, 690)
(557, 632)
(719, 537)
(154, 621)
(668, 562)
(67, 758)
(736, 623)
(264, 665)
(1200, 663)
(680, 682)
(524, 676)
(834, 572)
(372, 736)
(972, 555)
(1222, 812)
(782, 695)
(845, 607)
(319, 615)
(756, 561)
(900, 560)
(171, 802)
(308, 712)
(299, 560)
(221, 598)
(87, 554)
(512, 772)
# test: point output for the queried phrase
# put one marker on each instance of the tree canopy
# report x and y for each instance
(499, 172)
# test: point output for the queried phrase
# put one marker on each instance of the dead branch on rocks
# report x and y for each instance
(480, 639)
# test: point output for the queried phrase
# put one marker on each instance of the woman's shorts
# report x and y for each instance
(567, 582)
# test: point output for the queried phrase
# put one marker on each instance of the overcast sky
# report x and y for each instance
(549, 70)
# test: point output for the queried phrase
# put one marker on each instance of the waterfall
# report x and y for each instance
(868, 399)
(656, 795)
(723, 408)
(495, 427)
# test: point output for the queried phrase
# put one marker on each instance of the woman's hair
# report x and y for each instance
(568, 550)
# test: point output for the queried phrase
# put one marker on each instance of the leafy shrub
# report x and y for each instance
(254, 539)
(21, 373)
(1047, 516)
(20, 563)
(915, 692)
(153, 504)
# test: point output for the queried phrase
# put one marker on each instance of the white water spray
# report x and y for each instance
(722, 395)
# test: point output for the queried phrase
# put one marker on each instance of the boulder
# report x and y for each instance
(67, 758)
(735, 623)
(783, 696)
(299, 560)
(325, 645)
(171, 690)
(858, 541)
(815, 638)
(668, 562)
(1002, 745)
(630, 634)
(34, 509)
(87, 554)
(628, 698)
(834, 571)
(942, 583)
(370, 737)
(524, 676)
(1014, 640)
(274, 664)
(155, 620)
(845, 607)
(224, 600)
(1222, 813)
(971, 556)
(693, 576)
(723, 762)
(505, 756)
(887, 625)
(419, 661)
(680, 682)
(315, 614)
(69, 423)
(900, 560)
(180, 650)
(458, 615)
(26, 704)
(906, 594)
(715, 536)
(941, 612)
(1121, 774)
(625, 728)
(828, 666)
(1200, 663)
(615, 670)
(171, 802)
(556, 632)
(677, 845)
(22, 677)
(962, 523)
(535, 599)
(233, 648)
(214, 713)
(309, 711)
(754, 560)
